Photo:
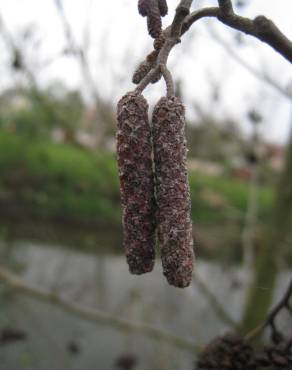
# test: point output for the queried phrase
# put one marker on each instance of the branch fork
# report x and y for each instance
(261, 28)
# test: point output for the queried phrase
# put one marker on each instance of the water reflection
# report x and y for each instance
(57, 340)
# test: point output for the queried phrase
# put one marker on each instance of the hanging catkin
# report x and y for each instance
(151, 10)
(172, 191)
(136, 182)
(145, 67)
(143, 7)
(162, 4)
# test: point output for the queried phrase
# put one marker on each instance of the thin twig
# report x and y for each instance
(261, 27)
(172, 35)
(215, 304)
(226, 6)
(182, 11)
(94, 315)
(168, 80)
(259, 75)
(197, 15)
(270, 320)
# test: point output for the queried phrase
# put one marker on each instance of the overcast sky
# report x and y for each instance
(118, 41)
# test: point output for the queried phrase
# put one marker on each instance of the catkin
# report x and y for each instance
(172, 191)
(143, 7)
(141, 71)
(154, 23)
(162, 4)
(136, 182)
(151, 10)
(145, 67)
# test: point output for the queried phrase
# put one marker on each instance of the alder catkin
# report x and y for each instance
(136, 182)
(141, 71)
(154, 19)
(145, 67)
(162, 4)
(172, 191)
(151, 9)
(143, 7)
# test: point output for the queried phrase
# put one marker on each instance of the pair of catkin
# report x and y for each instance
(155, 197)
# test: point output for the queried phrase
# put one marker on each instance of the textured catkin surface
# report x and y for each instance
(145, 67)
(151, 9)
(229, 352)
(162, 4)
(172, 191)
(154, 23)
(136, 182)
(143, 7)
(232, 352)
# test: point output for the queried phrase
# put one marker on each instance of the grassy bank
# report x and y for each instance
(56, 181)
(65, 184)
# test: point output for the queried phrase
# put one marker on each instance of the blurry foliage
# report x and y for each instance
(212, 140)
(65, 183)
(33, 113)
(59, 181)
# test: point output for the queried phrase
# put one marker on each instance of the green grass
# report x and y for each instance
(56, 180)
(233, 194)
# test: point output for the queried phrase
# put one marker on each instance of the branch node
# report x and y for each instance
(262, 24)
(226, 7)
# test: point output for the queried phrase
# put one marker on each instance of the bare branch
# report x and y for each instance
(94, 315)
(261, 27)
(77, 51)
(226, 6)
(198, 14)
(182, 11)
(270, 320)
(172, 35)
(168, 80)
(256, 73)
(215, 304)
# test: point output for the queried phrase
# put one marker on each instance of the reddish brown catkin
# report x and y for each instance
(136, 182)
(145, 67)
(154, 23)
(151, 9)
(143, 7)
(172, 191)
(162, 4)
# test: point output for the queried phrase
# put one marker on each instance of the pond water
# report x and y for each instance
(59, 340)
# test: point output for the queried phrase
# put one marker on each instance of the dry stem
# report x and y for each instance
(94, 315)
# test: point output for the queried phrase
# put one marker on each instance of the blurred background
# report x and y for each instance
(63, 66)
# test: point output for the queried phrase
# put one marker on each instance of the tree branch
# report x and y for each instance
(181, 12)
(94, 315)
(226, 6)
(270, 320)
(172, 35)
(261, 27)
(256, 73)
(168, 80)
(215, 304)
(197, 15)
